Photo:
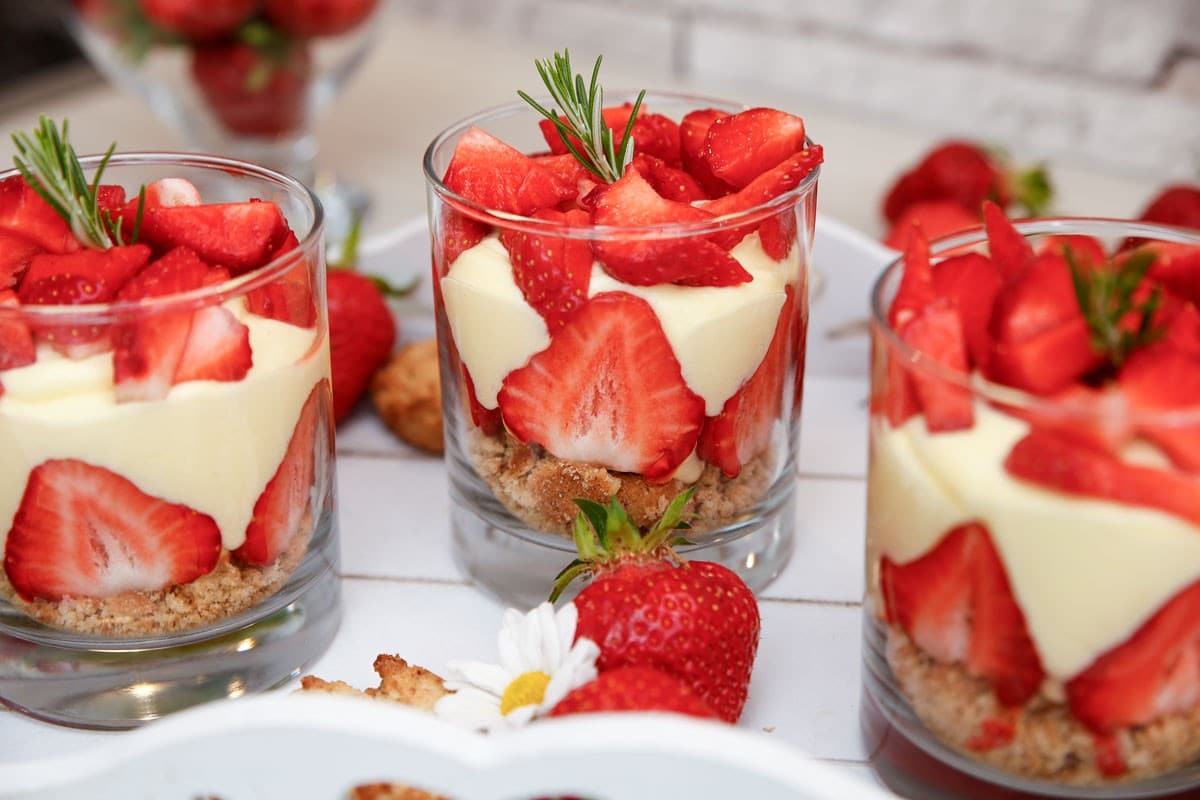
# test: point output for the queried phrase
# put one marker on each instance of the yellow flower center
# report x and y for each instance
(527, 689)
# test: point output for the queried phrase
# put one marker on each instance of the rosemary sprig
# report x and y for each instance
(50, 166)
(1106, 296)
(582, 118)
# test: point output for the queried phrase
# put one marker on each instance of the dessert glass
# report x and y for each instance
(152, 645)
(1086, 574)
(512, 509)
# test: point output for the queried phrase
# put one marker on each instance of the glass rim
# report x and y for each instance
(93, 313)
(1001, 394)
(533, 225)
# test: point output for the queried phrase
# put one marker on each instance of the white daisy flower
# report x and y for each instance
(540, 663)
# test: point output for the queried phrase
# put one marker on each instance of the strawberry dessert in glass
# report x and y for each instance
(1032, 618)
(621, 301)
(166, 490)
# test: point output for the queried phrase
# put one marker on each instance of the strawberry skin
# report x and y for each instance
(1158, 380)
(1011, 251)
(693, 132)
(634, 689)
(565, 398)
(971, 281)
(318, 17)
(217, 348)
(16, 340)
(108, 269)
(1177, 267)
(936, 219)
(239, 236)
(916, 283)
(24, 213)
(211, 19)
(84, 531)
(552, 272)
(936, 332)
(250, 92)
(15, 254)
(653, 134)
(669, 182)
(958, 172)
(1175, 205)
(741, 147)
(489, 172)
(698, 622)
(283, 505)
(361, 335)
(289, 297)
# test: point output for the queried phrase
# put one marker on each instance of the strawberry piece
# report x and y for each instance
(607, 390)
(488, 420)
(1156, 671)
(669, 182)
(1162, 379)
(289, 297)
(84, 531)
(743, 428)
(993, 733)
(634, 689)
(777, 234)
(16, 340)
(108, 269)
(217, 348)
(1099, 417)
(936, 332)
(687, 260)
(69, 338)
(1073, 465)
(739, 148)
(318, 17)
(653, 134)
(1011, 251)
(552, 272)
(458, 233)
(191, 20)
(956, 604)
(916, 283)
(570, 175)
(1177, 267)
(1175, 205)
(936, 219)
(252, 91)
(693, 131)
(170, 192)
(489, 172)
(971, 281)
(239, 236)
(15, 254)
(1109, 761)
(770, 184)
(1181, 328)
(1047, 362)
(957, 172)
(1086, 251)
(24, 213)
(361, 335)
(283, 505)
(615, 119)
(892, 391)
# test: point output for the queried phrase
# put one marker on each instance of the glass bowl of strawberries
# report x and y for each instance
(620, 314)
(166, 490)
(1032, 616)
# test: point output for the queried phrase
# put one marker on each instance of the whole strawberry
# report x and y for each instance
(198, 19)
(645, 607)
(966, 174)
(1175, 205)
(257, 85)
(319, 17)
(634, 689)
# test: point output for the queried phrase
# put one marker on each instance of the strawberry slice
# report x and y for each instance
(1161, 379)
(653, 134)
(16, 340)
(607, 390)
(458, 234)
(777, 234)
(284, 503)
(741, 147)
(487, 420)
(1181, 328)
(1047, 362)
(916, 283)
(496, 176)
(1099, 417)
(69, 338)
(892, 391)
(24, 213)
(687, 260)
(239, 236)
(669, 182)
(771, 183)
(1156, 671)
(1011, 251)
(936, 219)
(956, 604)
(288, 298)
(571, 176)
(1087, 251)
(615, 119)
(15, 254)
(108, 269)
(217, 348)
(1065, 463)
(693, 131)
(971, 281)
(1177, 267)
(84, 531)
(553, 272)
(936, 332)
(743, 428)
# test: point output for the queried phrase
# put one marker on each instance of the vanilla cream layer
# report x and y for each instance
(1086, 572)
(211, 445)
(718, 334)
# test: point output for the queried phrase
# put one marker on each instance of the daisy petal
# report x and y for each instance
(578, 668)
(509, 642)
(469, 709)
(520, 716)
(488, 677)
(551, 649)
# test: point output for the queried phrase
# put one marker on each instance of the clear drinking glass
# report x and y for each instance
(178, 619)
(512, 506)
(1071, 512)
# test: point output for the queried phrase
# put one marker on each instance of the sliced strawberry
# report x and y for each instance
(239, 236)
(936, 219)
(1177, 267)
(916, 283)
(971, 281)
(743, 428)
(653, 134)
(1041, 298)
(570, 175)
(892, 391)
(1181, 329)
(458, 233)
(671, 183)
(1158, 380)
(687, 260)
(693, 131)
(496, 176)
(289, 297)
(16, 340)
(777, 234)
(1156, 671)
(993, 733)
(956, 604)
(1086, 251)
(84, 531)
(1065, 463)
(284, 504)
(1011, 251)
(15, 254)
(69, 338)
(615, 119)
(1097, 416)
(487, 420)
(108, 269)
(217, 348)
(936, 332)
(24, 213)
(607, 390)
(741, 147)
(771, 183)
(170, 192)
(553, 272)
(1047, 362)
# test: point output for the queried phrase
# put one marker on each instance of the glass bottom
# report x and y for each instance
(913, 763)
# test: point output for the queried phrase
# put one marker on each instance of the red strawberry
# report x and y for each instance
(936, 218)
(15, 254)
(1011, 251)
(489, 172)
(240, 236)
(84, 531)
(361, 334)
(571, 176)
(936, 332)
(1076, 466)
(653, 134)
(615, 119)
(487, 420)
(916, 283)
(563, 399)
(693, 131)
(71, 339)
(458, 233)
(108, 270)
(1086, 251)
(289, 297)
(1175, 205)
(193, 19)
(777, 234)
(688, 260)
(783, 177)
(283, 505)
(252, 92)
(669, 182)
(743, 428)
(892, 392)
(1156, 381)
(1047, 362)
(552, 272)
(1177, 267)
(1155, 672)
(24, 213)
(217, 348)
(1097, 416)
(971, 281)
(16, 341)
(1040, 299)
(318, 17)
(1181, 329)
(741, 147)
(634, 689)
(956, 604)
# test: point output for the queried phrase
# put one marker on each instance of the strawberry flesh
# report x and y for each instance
(289, 297)
(239, 236)
(217, 348)
(670, 182)
(24, 213)
(739, 148)
(935, 219)
(487, 171)
(971, 281)
(693, 132)
(15, 254)
(936, 332)
(1158, 380)
(1011, 251)
(16, 340)
(634, 689)
(553, 272)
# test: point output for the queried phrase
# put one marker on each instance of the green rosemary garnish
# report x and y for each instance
(50, 166)
(582, 107)
(1106, 296)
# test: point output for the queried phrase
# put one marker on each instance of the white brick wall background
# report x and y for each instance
(1108, 83)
